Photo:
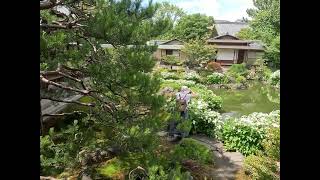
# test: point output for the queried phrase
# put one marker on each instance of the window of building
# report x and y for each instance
(169, 52)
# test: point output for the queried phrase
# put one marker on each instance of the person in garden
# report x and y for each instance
(183, 98)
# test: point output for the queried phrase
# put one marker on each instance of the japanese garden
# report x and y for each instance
(110, 71)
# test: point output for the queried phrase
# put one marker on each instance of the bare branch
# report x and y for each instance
(65, 114)
(92, 45)
(106, 104)
(74, 79)
(84, 92)
(69, 101)
(60, 25)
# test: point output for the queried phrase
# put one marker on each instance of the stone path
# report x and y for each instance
(227, 163)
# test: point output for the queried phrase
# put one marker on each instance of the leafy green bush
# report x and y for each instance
(158, 173)
(185, 126)
(171, 60)
(59, 150)
(191, 149)
(177, 174)
(262, 72)
(204, 119)
(240, 79)
(214, 101)
(245, 134)
(245, 139)
(176, 84)
(215, 78)
(260, 168)
(239, 69)
(271, 144)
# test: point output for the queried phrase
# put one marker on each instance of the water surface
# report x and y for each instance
(257, 98)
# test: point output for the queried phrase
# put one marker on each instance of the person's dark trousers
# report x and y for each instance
(184, 114)
(172, 128)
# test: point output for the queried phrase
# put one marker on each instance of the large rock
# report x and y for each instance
(89, 158)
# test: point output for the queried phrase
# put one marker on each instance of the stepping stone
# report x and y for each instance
(162, 133)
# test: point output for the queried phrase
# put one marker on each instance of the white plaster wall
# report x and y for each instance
(175, 53)
(225, 54)
(251, 54)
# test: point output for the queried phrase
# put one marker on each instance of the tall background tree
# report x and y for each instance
(265, 26)
(194, 26)
(171, 14)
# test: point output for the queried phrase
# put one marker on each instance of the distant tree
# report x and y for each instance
(198, 53)
(194, 26)
(171, 14)
(265, 26)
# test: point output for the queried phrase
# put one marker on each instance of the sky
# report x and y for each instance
(230, 10)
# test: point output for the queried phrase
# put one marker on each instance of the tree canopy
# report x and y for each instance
(265, 26)
(118, 80)
(194, 26)
(198, 52)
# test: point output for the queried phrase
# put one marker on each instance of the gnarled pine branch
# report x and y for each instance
(65, 114)
(69, 101)
(84, 92)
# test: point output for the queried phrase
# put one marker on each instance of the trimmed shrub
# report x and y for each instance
(260, 168)
(191, 149)
(238, 69)
(271, 144)
(215, 67)
(215, 78)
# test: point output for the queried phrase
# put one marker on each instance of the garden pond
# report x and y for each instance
(258, 97)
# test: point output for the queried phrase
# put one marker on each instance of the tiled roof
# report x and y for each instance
(231, 28)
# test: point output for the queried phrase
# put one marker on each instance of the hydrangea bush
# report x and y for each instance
(204, 119)
(169, 75)
(192, 76)
(246, 133)
(214, 101)
(215, 78)
(275, 79)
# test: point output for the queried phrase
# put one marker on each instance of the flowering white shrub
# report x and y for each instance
(215, 78)
(204, 120)
(261, 120)
(192, 76)
(275, 78)
(169, 75)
